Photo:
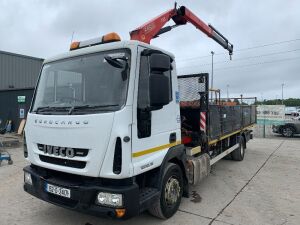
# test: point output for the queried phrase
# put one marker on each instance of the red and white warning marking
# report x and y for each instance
(203, 121)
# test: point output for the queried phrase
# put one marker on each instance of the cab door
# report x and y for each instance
(154, 130)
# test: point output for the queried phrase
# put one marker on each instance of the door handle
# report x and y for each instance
(172, 137)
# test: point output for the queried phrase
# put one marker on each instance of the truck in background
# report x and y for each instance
(113, 131)
(290, 110)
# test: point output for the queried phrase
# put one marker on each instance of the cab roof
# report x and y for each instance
(132, 44)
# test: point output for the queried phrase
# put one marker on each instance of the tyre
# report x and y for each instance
(171, 192)
(228, 157)
(238, 154)
(288, 131)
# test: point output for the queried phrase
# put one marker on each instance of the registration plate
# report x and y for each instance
(53, 189)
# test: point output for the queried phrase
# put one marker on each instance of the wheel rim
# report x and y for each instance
(172, 191)
(287, 132)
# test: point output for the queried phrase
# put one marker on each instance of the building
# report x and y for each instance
(18, 76)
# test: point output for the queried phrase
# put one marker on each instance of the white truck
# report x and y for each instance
(113, 131)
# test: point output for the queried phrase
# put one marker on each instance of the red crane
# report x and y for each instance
(180, 16)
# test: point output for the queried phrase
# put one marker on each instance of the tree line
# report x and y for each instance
(286, 102)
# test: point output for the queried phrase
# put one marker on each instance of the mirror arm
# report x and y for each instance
(125, 72)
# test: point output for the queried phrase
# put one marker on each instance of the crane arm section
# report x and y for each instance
(180, 16)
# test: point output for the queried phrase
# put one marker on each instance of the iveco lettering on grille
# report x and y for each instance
(59, 151)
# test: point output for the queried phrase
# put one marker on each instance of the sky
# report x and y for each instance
(265, 35)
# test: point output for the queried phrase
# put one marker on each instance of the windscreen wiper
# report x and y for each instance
(48, 108)
(41, 109)
(89, 107)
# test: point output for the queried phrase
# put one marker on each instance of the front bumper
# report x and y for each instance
(83, 195)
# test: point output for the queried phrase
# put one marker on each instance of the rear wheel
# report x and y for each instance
(288, 131)
(228, 157)
(238, 154)
(171, 193)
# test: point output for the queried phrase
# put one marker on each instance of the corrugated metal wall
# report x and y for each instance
(18, 76)
(18, 71)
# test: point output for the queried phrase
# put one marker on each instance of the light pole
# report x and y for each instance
(212, 72)
(282, 93)
(227, 91)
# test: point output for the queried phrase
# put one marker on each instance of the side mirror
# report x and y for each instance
(159, 63)
(116, 62)
(159, 88)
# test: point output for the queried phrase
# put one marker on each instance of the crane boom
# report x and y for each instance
(180, 16)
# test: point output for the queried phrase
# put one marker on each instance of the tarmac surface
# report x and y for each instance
(263, 189)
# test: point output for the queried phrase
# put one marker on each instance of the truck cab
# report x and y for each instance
(103, 119)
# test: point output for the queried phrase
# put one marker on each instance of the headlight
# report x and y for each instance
(27, 178)
(109, 199)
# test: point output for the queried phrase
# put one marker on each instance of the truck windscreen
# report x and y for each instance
(83, 84)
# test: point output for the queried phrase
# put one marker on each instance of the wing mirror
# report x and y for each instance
(159, 83)
(159, 63)
(159, 87)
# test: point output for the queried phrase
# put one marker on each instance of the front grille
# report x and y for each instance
(63, 162)
(80, 152)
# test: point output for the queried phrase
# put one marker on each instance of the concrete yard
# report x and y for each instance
(263, 189)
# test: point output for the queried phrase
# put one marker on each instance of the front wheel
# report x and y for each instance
(171, 193)
(288, 131)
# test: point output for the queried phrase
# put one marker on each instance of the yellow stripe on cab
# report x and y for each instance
(155, 149)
